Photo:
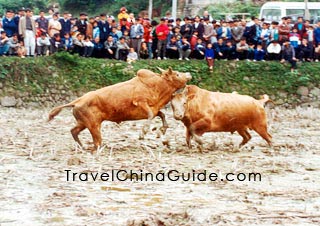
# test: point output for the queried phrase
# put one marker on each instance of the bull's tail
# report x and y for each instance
(57, 110)
(265, 99)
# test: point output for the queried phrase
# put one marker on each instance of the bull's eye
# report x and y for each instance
(184, 104)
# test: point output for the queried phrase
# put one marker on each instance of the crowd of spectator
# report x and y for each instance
(130, 38)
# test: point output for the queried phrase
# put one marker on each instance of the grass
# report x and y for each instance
(77, 74)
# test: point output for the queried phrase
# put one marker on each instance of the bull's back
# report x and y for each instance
(113, 103)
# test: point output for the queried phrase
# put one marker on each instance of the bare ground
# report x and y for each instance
(34, 190)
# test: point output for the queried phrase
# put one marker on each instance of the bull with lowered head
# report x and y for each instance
(204, 111)
(142, 97)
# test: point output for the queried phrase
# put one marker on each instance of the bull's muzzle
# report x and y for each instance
(178, 116)
(188, 76)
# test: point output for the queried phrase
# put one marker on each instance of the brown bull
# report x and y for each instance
(142, 97)
(203, 111)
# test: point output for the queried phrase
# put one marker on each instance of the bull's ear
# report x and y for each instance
(170, 70)
(160, 69)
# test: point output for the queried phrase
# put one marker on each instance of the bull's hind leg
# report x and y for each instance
(96, 135)
(75, 132)
(263, 132)
(164, 122)
(245, 135)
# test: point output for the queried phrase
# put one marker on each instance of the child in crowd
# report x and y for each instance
(88, 46)
(199, 50)
(259, 53)
(209, 53)
(132, 56)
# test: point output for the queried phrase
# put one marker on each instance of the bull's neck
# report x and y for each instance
(166, 93)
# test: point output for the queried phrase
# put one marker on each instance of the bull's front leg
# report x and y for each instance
(164, 122)
(198, 128)
(146, 126)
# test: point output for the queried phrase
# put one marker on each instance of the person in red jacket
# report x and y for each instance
(147, 36)
(162, 32)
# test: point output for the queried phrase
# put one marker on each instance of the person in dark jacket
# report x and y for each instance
(105, 28)
(9, 25)
(43, 22)
(65, 24)
(82, 23)
(288, 54)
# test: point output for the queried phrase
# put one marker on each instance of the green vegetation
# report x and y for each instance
(40, 75)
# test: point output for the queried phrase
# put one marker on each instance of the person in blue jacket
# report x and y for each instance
(209, 54)
(9, 24)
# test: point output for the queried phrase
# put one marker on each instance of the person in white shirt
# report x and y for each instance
(273, 50)
(43, 44)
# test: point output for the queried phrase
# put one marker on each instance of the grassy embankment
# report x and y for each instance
(39, 75)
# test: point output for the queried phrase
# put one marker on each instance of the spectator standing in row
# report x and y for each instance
(27, 30)
(9, 25)
(162, 32)
(209, 34)
(43, 23)
(237, 32)
(187, 28)
(105, 27)
(82, 23)
(54, 25)
(136, 35)
(123, 14)
(65, 24)
(198, 26)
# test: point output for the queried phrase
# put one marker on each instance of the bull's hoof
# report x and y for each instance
(200, 148)
(163, 129)
(141, 136)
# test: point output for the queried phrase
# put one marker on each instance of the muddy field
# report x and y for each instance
(34, 189)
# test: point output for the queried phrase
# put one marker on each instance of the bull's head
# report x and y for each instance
(179, 104)
(177, 79)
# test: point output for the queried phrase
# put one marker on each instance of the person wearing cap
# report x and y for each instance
(82, 23)
(65, 24)
(105, 27)
(54, 26)
(162, 32)
(27, 30)
(123, 14)
(8, 24)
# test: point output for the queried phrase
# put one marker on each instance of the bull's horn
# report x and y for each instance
(160, 69)
(170, 70)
